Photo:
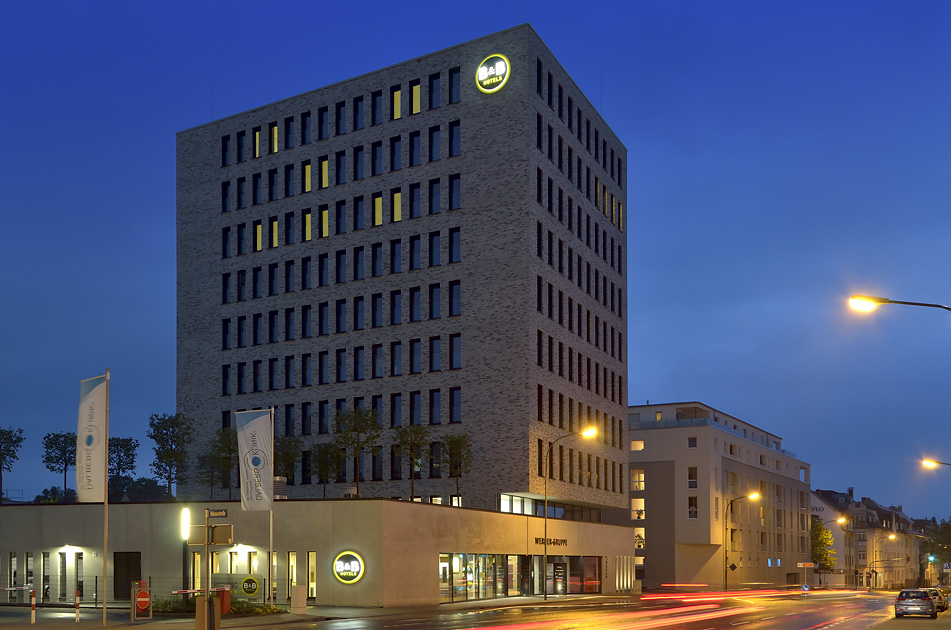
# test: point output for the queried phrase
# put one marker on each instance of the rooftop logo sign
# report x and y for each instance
(493, 73)
(348, 567)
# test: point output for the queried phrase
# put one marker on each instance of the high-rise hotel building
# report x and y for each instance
(441, 241)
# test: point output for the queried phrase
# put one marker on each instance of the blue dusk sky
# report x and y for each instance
(782, 156)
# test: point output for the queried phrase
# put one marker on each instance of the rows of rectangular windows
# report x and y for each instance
(343, 315)
(602, 197)
(576, 318)
(346, 265)
(561, 411)
(343, 365)
(572, 117)
(577, 368)
(580, 223)
(591, 471)
(270, 186)
(303, 128)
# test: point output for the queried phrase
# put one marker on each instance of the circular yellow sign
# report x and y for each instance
(493, 73)
(348, 567)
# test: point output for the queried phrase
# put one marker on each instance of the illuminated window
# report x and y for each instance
(273, 232)
(358, 113)
(637, 445)
(434, 91)
(396, 205)
(306, 225)
(258, 236)
(256, 140)
(415, 96)
(323, 172)
(433, 143)
(637, 509)
(340, 118)
(455, 85)
(305, 182)
(395, 95)
(376, 108)
(396, 153)
(272, 136)
(323, 214)
(377, 209)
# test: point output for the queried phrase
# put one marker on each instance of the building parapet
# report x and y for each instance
(680, 423)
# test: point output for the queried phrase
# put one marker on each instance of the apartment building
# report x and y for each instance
(714, 500)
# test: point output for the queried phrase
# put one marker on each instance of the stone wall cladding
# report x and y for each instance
(498, 270)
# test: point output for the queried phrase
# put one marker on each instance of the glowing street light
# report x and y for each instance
(186, 525)
(753, 496)
(868, 303)
(931, 463)
(588, 433)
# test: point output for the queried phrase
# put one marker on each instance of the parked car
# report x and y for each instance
(915, 602)
(940, 599)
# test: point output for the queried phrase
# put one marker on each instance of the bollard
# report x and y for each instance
(32, 608)
(77, 605)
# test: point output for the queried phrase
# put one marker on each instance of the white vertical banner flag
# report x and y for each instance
(92, 439)
(255, 450)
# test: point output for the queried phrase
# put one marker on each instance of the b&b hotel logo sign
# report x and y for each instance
(348, 567)
(493, 73)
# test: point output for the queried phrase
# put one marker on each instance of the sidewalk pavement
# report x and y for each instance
(18, 617)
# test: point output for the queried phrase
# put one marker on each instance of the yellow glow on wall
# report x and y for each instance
(307, 177)
(377, 209)
(324, 223)
(307, 226)
(397, 207)
(397, 97)
(415, 99)
(257, 237)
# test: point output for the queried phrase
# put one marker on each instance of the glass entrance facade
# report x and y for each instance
(471, 576)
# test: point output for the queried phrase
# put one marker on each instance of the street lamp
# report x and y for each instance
(932, 463)
(881, 560)
(868, 303)
(588, 433)
(753, 496)
(840, 521)
(186, 525)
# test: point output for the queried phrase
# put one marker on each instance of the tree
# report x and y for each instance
(327, 458)
(55, 494)
(172, 436)
(457, 455)
(208, 469)
(10, 442)
(287, 451)
(412, 442)
(122, 454)
(225, 447)
(59, 452)
(356, 431)
(821, 538)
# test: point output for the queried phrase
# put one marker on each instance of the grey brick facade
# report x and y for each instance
(542, 197)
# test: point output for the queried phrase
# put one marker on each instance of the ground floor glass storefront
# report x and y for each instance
(471, 576)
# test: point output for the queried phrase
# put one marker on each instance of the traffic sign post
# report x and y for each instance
(141, 603)
(804, 566)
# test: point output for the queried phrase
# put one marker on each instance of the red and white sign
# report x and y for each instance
(805, 565)
(142, 600)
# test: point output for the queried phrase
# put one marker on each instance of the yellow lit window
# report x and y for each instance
(613, 210)
(257, 236)
(620, 216)
(397, 207)
(306, 225)
(396, 97)
(274, 232)
(597, 188)
(414, 94)
(324, 173)
(257, 142)
(273, 138)
(306, 176)
(377, 209)
(324, 222)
